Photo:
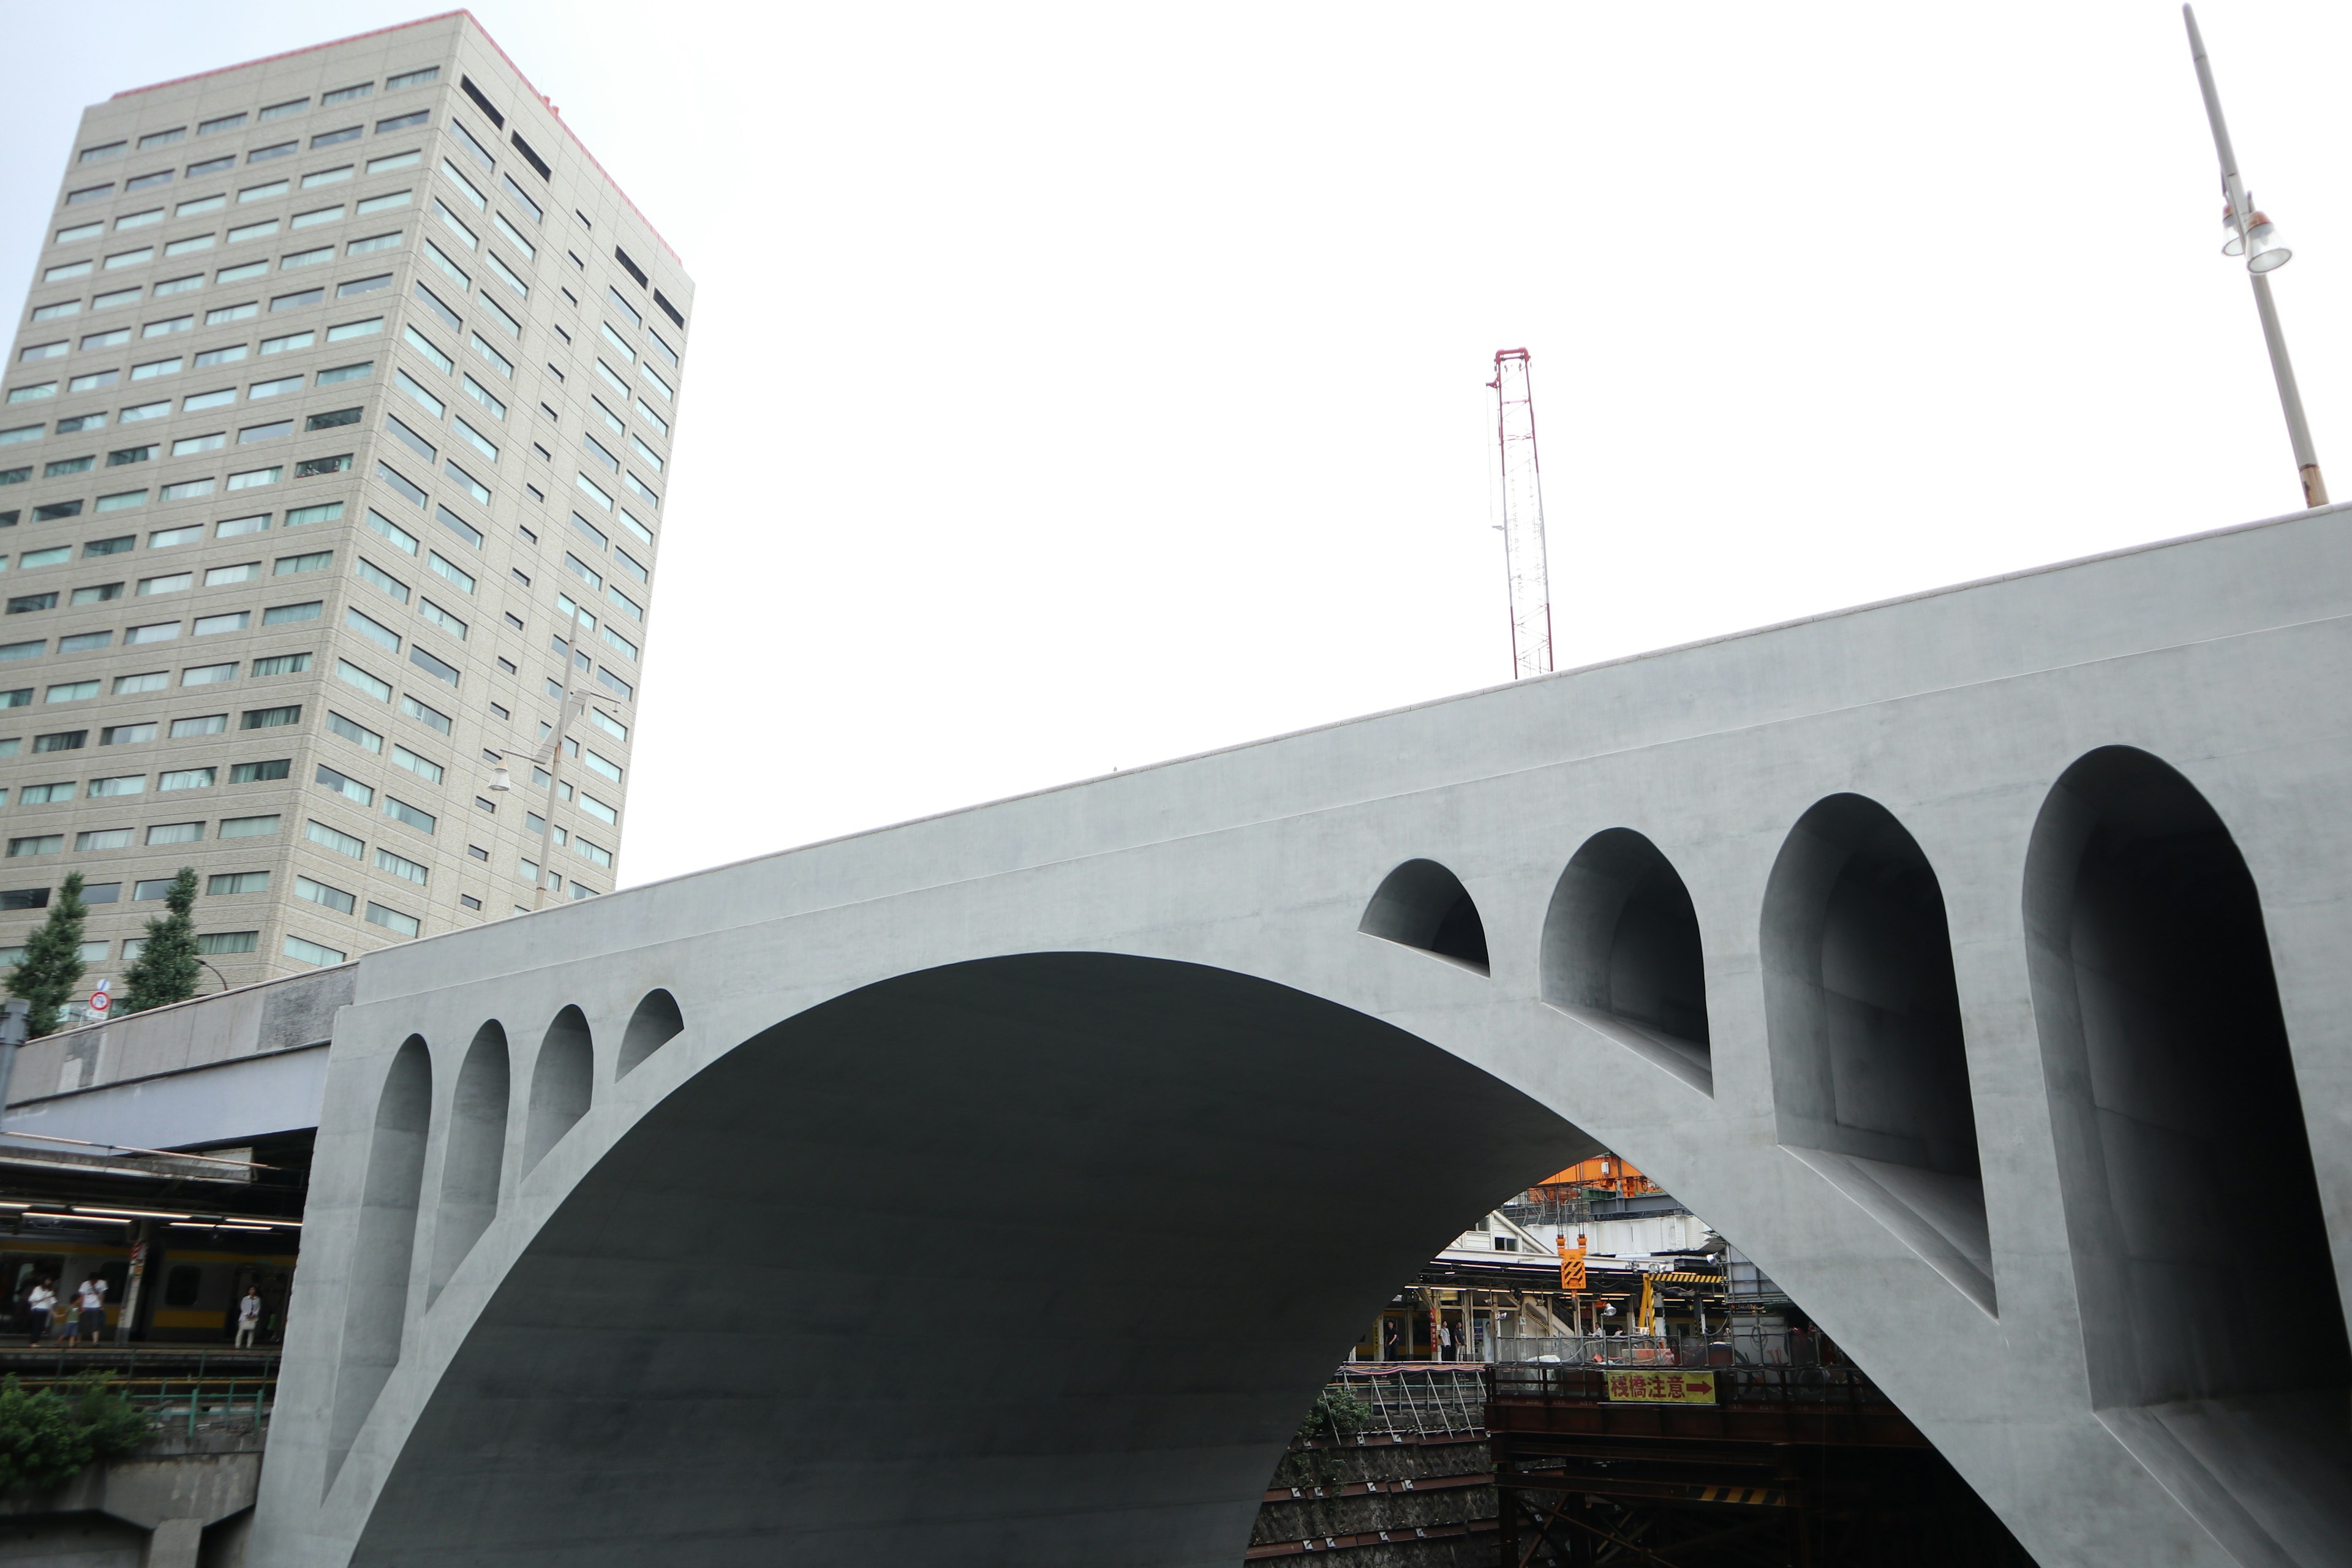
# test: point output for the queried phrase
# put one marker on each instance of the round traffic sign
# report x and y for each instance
(99, 1001)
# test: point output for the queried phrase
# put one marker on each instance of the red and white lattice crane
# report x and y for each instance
(1523, 521)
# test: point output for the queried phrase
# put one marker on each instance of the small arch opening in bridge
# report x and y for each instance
(563, 1083)
(472, 1156)
(1870, 1072)
(375, 1309)
(655, 1024)
(2182, 1147)
(1622, 954)
(1421, 904)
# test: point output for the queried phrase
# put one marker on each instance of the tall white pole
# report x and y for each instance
(2298, 431)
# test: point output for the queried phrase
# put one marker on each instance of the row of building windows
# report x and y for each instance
(207, 942)
(219, 201)
(154, 680)
(158, 834)
(120, 784)
(192, 403)
(103, 151)
(340, 135)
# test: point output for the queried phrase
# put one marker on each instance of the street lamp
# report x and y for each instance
(550, 757)
(2251, 235)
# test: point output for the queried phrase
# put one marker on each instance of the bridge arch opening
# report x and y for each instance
(2183, 1150)
(375, 1309)
(654, 1024)
(1156, 1105)
(1870, 1073)
(471, 1156)
(1422, 905)
(562, 1084)
(1622, 954)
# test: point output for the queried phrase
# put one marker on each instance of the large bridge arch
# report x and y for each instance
(1158, 1201)
(1956, 713)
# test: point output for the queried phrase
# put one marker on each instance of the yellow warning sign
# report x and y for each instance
(1661, 1387)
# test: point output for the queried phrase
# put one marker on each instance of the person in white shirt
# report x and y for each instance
(41, 1303)
(248, 1316)
(91, 1294)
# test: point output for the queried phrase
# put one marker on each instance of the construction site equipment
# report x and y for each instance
(1523, 521)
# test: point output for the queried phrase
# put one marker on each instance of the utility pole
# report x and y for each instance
(550, 756)
(2251, 236)
(1523, 522)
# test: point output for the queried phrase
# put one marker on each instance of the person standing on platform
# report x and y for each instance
(248, 1317)
(92, 1322)
(40, 1305)
(1393, 1342)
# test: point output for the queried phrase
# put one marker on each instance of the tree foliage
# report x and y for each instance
(167, 968)
(51, 970)
(47, 1436)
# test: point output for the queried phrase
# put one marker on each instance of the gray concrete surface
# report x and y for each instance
(1926, 948)
(177, 1504)
(222, 1067)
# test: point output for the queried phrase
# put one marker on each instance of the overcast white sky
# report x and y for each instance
(1077, 387)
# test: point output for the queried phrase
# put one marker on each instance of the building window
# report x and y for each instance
(331, 898)
(392, 919)
(409, 870)
(309, 952)
(353, 675)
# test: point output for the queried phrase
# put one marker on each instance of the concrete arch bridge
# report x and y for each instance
(1976, 961)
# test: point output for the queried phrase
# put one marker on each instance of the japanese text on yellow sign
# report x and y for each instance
(1662, 1387)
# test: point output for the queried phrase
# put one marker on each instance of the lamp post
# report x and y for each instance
(2251, 236)
(550, 757)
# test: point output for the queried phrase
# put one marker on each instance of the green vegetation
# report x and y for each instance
(50, 970)
(47, 1437)
(167, 968)
(1337, 1414)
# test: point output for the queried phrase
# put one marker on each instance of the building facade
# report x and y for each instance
(331, 464)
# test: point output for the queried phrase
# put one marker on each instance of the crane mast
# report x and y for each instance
(1523, 522)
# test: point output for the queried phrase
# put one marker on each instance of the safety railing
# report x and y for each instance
(1760, 1387)
(1737, 1347)
(184, 1405)
(1410, 1399)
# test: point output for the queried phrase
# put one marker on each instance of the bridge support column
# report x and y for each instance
(174, 1543)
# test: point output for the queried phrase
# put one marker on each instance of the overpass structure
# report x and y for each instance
(1975, 962)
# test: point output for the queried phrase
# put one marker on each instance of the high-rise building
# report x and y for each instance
(331, 469)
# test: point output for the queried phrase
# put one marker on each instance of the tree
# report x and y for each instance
(47, 1436)
(167, 968)
(50, 970)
